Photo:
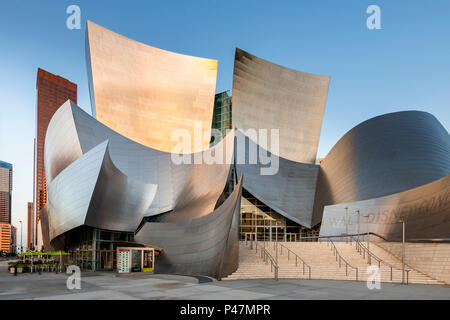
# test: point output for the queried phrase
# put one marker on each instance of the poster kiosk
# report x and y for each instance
(131, 259)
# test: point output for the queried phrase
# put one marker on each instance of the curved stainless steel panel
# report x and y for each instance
(45, 231)
(384, 155)
(118, 202)
(138, 162)
(104, 180)
(425, 210)
(269, 96)
(198, 246)
(290, 192)
(203, 186)
(63, 139)
(230, 261)
(92, 191)
(70, 193)
(145, 93)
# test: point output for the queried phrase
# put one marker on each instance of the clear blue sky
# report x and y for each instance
(404, 66)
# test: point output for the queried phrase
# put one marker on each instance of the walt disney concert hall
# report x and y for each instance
(121, 178)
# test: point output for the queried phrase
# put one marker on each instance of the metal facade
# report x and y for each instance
(207, 245)
(384, 155)
(290, 192)
(72, 133)
(145, 93)
(101, 179)
(425, 210)
(270, 96)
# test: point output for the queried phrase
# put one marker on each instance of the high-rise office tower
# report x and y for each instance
(30, 226)
(5, 192)
(13, 244)
(52, 92)
(5, 237)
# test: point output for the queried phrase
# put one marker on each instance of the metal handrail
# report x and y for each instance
(436, 240)
(370, 255)
(301, 237)
(339, 257)
(296, 257)
(264, 255)
(337, 254)
(346, 235)
(273, 264)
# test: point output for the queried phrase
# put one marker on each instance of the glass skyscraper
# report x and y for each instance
(221, 115)
(5, 206)
(5, 192)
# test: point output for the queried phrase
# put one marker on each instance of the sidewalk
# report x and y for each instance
(104, 285)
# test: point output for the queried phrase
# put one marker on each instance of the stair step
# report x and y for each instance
(320, 257)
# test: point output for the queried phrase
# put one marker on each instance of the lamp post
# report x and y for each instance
(276, 233)
(276, 242)
(403, 250)
(264, 232)
(368, 238)
(256, 229)
(21, 246)
(359, 214)
(346, 224)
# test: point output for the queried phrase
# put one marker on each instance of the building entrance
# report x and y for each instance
(96, 249)
(260, 221)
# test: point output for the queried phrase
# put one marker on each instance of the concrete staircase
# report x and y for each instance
(360, 261)
(317, 255)
(251, 265)
(432, 259)
(323, 262)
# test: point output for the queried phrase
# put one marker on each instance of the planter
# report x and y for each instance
(19, 270)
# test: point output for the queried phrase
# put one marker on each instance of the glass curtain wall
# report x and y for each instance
(221, 115)
(261, 221)
(94, 249)
(256, 218)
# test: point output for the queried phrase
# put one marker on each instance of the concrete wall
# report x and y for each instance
(432, 259)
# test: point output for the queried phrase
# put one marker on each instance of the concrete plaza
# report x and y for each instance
(108, 285)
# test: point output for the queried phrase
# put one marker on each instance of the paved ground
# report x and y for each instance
(143, 286)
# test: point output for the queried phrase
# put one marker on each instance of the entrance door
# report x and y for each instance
(291, 237)
(106, 260)
(250, 236)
